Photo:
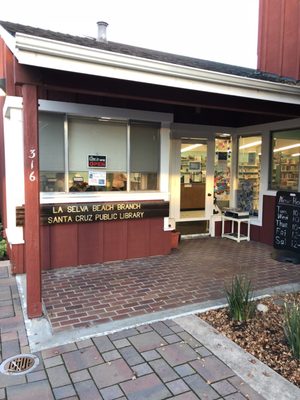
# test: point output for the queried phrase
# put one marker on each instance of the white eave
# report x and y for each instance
(47, 53)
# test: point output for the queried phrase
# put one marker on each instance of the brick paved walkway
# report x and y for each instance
(83, 297)
(153, 362)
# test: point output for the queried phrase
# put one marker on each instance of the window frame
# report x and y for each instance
(67, 116)
(271, 162)
(252, 135)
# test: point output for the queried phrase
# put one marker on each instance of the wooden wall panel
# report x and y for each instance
(159, 240)
(114, 240)
(267, 231)
(279, 37)
(138, 236)
(9, 72)
(64, 245)
(291, 39)
(255, 232)
(90, 243)
(45, 247)
(16, 256)
(81, 244)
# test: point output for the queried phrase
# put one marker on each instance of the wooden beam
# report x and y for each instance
(32, 201)
(173, 96)
(63, 83)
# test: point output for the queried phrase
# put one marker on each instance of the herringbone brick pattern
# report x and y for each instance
(196, 272)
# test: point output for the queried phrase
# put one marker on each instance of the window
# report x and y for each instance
(90, 137)
(144, 156)
(285, 160)
(88, 154)
(222, 171)
(52, 163)
(249, 174)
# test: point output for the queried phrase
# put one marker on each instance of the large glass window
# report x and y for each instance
(285, 160)
(144, 156)
(92, 138)
(100, 156)
(51, 142)
(249, 157)
(222, 171)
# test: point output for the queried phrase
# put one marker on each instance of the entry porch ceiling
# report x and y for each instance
(188, 106)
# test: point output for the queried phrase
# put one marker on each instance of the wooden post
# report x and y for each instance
(32, 201)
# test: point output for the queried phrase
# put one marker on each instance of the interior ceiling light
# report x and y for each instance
(246, 146)
(295, 154)
(191, 147)
(291, 146)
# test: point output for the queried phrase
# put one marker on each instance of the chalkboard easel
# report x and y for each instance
(287, 227)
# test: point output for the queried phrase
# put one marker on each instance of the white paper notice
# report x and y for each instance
(97, 178)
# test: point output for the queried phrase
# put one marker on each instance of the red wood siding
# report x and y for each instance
(279, 37)
(45, 248)
(81, 244)
(2, 170)
(160, 242)
(90, 244)
(63, 245)
(16, 257)
(114, 242)
(267, 231)
(138, 238)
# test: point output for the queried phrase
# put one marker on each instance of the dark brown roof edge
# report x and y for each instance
(13, 28)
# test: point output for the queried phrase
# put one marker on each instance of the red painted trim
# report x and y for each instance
(32, 202)
(16, 256)
(2, 170)
(9, 72)
(2, 58)
(279, 37)
(261, 39)
(267, 231)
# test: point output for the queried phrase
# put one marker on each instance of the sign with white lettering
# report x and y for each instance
(97, 212)
(287, 221)
(96, 161)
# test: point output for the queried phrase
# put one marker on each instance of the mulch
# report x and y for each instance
(262, 336)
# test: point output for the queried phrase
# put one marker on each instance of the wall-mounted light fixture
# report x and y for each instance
(2, 87)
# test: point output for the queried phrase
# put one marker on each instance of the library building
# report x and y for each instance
(110, 151)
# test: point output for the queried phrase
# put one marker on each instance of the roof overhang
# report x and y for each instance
(47, 53)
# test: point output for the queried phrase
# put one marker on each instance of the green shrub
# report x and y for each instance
(240, 300)
(2, 248)
(292, 327)
(1, 230)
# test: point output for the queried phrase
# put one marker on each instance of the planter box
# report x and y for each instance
(175, 239)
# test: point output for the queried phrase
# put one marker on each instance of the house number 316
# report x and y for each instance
(32, 154)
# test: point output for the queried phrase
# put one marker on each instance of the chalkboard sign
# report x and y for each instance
(287, 221)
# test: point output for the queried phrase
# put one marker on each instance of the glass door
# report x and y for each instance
(193, 179)
(222, 173)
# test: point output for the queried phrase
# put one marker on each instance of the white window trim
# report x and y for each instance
(82, 110)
